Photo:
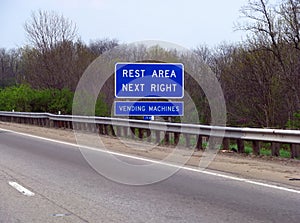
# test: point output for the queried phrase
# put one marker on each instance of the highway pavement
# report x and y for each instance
(67, 189)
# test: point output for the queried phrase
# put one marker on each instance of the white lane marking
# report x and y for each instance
(162, 163)
(21, 189)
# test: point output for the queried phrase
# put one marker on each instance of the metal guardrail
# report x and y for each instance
(114, 126)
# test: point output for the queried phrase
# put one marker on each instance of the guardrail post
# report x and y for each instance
(63, 124)
(213, 143)
(167, 138)
(176, 138)
(295, 151)
(67, 124)
(75, 126)
(125, 131)
(275, 149)
(256, 147)
(51, 123)
(106, 131)
(55, 124)
(226, 144)
(132, 130)
(89, 127)
(149, 135)
(101, 129)
(119, 133)
(113, 133)
(187, 140)
(141, 133)
(157, 137)
(199, 143)
(47, 123)
(241, 145)
(92, 127)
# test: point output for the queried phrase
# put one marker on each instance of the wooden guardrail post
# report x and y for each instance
(132, 131)
(167, 138)
(176, 138)
(47, 122)
(256, 147)
(101, 129)
(68, 125)
(106, 130)
(199, 145)
(275, 149)
(187, 140)
(112, 130)
(295, 150)
(167, 134)
(119, 133)
(149, 135)
(240, 145)
(51, 123)
(125, 131)
(92, 127)
(157, 136)
(226, 144)
(140, 133)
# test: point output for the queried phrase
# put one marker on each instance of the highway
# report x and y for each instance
(67, 189)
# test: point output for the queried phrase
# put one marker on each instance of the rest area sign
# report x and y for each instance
(149, 80)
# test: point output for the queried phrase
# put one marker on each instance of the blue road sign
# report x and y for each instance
(148, 108)
(149, 80)
(149, 118)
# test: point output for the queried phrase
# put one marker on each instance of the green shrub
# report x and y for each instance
(294, 123)
(23, 98)
(16, 98)
(61, 101)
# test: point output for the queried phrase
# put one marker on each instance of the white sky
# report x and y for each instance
(184, 22)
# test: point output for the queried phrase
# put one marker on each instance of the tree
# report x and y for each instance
(55, 59)
(275, 28)
(290, 17)
(252, 88)
(9, 66)
(98, 47)
(45, 30)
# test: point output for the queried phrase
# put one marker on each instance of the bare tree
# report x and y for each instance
(100, 46)
(55, 59)
(290, 16)
(204, 52)
(265, 26)
(46, 29)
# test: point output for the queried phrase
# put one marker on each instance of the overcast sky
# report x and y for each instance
(184, 22)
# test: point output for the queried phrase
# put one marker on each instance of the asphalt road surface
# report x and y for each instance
(67, 189)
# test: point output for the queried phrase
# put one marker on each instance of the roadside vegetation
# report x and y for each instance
(24, 98)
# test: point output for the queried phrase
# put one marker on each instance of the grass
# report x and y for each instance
(265, 150)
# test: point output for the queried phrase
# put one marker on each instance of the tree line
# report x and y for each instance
(260, 76)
